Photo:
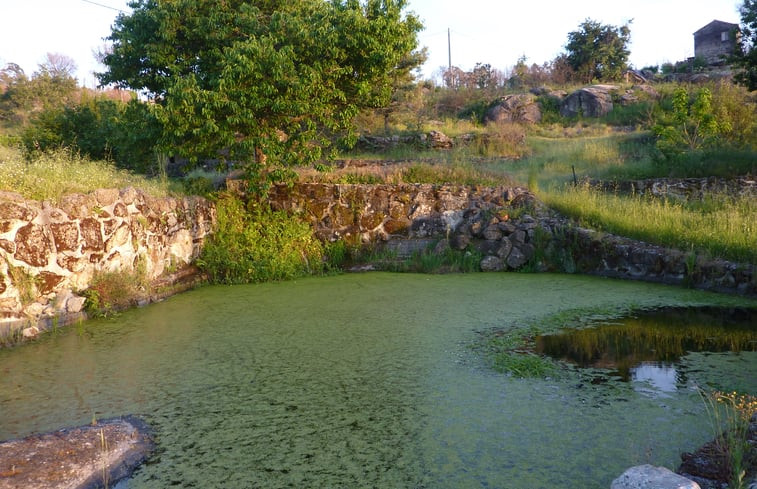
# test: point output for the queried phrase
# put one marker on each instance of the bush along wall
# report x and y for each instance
(112, 243)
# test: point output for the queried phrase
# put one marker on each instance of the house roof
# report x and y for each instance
(716, 26)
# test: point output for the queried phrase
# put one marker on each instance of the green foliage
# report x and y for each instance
(51, 87)
(735, 107)
(745, 57)
(550, 109)
(714, 117)
(455, 173)
(256, 245)
(430, 261)
(523, 365)
(99, 128)
(266, 83)
(110, 292)
(25, 283)
(636, 114)
(511, 352)
(691, 124)
(598, 52)
(729, 415)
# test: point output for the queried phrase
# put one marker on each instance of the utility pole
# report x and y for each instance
(449, 49)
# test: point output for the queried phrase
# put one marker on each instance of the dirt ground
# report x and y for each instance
(84, 457)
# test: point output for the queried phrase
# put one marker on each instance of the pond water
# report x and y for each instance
(360, 381)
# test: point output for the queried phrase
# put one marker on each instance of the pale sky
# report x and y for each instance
(497, 32)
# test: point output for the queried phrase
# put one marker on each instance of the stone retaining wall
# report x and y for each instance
(576, 249)
(508, 226)
(685, 188)
(49, 252)
(370, 213)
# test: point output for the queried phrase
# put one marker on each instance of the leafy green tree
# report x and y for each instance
(745, 57)
(262, 82)
(691, 124)
(100, 128)
(52, 86)
(598, 52)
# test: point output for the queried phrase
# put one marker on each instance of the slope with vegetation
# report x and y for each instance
(278, 98)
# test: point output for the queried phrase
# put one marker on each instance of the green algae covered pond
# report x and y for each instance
(369, 380)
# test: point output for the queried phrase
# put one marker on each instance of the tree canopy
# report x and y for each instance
(746, 55)
(598, 52)
(52, 86)
(241, 79)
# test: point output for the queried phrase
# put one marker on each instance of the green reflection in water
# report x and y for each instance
(654, 339)
(353, 381)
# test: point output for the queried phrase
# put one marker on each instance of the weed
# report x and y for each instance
(25, 282)
(730, 414)
(430, 260)
(255, 245)
(110, 292)
(523, 365)
(104, 456)
(57, 173)
(511, 352)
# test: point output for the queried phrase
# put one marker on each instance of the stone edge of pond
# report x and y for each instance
(21, 331)
(84, 457)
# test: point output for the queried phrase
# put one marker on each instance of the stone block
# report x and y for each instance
(492, 264)
(65, 236)
(459, 241)
(106, 196)
(48, 281)
(32, 245)
(10, 210)
(75, 304)
(91, 232)
(516, 259)
(492, 232)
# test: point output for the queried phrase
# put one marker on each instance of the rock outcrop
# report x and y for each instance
(91, 456)
(593, 101)
(521, 108)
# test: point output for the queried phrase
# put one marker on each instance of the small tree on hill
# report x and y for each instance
(598, 52)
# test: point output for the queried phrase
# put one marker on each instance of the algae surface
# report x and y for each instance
(357, 381)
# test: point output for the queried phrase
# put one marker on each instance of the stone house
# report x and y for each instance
(715, 41)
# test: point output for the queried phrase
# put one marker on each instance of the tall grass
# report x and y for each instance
(622, 156)
(553, 160)
(721, 227)
(49, 176)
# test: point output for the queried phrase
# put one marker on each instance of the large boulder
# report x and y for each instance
(594, 101)
(514, 108)
(649, 476)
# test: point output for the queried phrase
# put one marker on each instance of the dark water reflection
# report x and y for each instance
(649, 346)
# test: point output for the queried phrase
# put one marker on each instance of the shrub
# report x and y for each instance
(691, 125)
(99, 128)
(257, 245)
(109, 292)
